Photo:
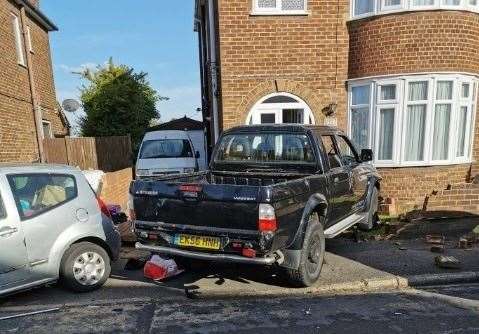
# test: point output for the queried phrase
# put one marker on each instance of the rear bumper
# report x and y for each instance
(268, 260)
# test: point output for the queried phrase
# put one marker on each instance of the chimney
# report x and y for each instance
(35, 3)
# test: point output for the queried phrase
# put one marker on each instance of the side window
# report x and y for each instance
(3, 212)
(37, 193)
(348, 154)
(331, 151)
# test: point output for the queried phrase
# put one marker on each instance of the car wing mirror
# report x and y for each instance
(367, 155)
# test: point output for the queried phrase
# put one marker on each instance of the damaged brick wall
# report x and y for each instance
(115, 187)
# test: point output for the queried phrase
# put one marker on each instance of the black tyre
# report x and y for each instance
(372, 214)
(312, 256)
(85, 267)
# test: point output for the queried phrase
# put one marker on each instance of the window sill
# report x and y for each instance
(281, 13)
(410, 10)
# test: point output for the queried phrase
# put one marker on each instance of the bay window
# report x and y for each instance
(364, 8)
(414, 120)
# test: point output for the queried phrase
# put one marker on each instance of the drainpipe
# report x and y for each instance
(37, 113)
(214, 69)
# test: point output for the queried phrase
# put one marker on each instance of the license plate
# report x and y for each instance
(186, 240)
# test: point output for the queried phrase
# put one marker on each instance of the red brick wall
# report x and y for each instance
(297, 51)
(115, 187)
(414, 42)
(17, 129)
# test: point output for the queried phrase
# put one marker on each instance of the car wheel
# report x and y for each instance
(312, 256)
(372, 214)
(85, 267)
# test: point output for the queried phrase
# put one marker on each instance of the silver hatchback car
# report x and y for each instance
(53, 227)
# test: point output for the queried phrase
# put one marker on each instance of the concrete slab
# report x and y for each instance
(339, 275)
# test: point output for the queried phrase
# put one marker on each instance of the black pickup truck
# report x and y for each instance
(272, 195)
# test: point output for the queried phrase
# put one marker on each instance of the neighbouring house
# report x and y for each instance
(29, 110)
(400, 76)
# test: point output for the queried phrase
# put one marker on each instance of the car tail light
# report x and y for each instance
(267, 218)
(248, 252)
(103, 207)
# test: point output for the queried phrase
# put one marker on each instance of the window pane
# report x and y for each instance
(347, 153)
(423, 2)
(444, 90)
(465, 90)
(391, 3)
(451, 2)
(268, 118)
(331, 151)
(360, 95)
(294, 116)
(37, 193)
(442, 116)
(360, 127)
(473, 2)
(280, 99)
(388, 92)
(18, 40)
(418, 91)
(415, 121)
(166, 149)
(363, 7)
(267, 4)
(462, 126)
(47, 133)
(386, 134)
(292, 5)
(3, 213)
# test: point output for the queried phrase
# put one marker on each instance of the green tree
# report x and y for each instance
(117, 102)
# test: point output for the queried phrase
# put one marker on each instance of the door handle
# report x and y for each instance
(7, 231)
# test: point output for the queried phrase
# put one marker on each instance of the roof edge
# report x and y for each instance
(37, 15)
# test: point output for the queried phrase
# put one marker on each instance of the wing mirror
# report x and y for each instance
(367, 155)
(197, 154)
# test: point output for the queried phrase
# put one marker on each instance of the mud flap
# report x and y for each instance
(292, 258)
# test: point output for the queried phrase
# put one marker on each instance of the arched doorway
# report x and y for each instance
(280, 108)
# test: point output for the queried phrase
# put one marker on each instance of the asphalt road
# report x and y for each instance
(366, 313)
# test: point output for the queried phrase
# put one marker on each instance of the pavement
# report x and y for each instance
(372, 313)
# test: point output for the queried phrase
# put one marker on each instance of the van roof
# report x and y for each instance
(166, 134)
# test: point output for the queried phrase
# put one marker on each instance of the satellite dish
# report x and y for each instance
(71, 105)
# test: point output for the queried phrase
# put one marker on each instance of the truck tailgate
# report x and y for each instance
(209, 205)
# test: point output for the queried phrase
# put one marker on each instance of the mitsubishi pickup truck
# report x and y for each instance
(272, 195)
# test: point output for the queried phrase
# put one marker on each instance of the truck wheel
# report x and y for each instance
(372, 214)
(312, 256)
(85, 267)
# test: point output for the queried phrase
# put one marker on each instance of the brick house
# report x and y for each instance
(28, 107)
(399, 76)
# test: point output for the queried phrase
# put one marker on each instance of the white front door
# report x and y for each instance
(279, 116)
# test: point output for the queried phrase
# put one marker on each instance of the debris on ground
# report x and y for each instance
(135, 264)
(159, 269)
(435, 239)
(29, 314)
(448, 262)
(437, 248)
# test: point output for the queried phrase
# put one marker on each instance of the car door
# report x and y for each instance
(13, 252)
(357, 171)
(338, 180)
(45, 204)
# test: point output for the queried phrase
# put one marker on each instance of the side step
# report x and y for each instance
(343, 225)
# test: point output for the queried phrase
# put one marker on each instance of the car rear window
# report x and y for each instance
(265, 147)
(37, 193)
(166, 148)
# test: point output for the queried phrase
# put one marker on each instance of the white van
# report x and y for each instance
(166, 152)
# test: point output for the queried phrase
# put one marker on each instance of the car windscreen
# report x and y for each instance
(166, 148)
(288, 148)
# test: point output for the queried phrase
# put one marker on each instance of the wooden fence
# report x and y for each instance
(108, 154)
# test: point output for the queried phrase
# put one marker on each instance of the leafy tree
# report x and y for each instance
(117, 102)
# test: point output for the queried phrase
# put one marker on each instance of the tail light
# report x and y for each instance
(267, 218)
(103, 207)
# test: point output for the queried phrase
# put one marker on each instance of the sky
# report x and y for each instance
(154, 36)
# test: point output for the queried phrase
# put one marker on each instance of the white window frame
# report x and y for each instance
(362, 106)
(254, 116)
(29, 40)
(50, 135)
(408, 6)
(256, 10)
(400, 106)
(18, 36)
